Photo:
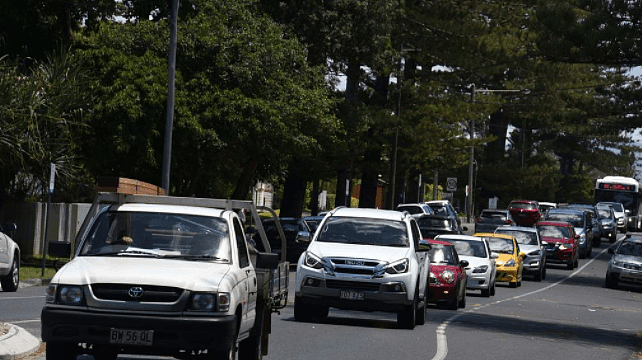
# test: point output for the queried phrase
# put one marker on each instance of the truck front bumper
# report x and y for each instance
(171, 333)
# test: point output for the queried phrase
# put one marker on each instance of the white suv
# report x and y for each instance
(364, 259)
(481, 270)
(9, 260)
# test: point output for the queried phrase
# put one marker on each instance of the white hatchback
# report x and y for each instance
(481, 270)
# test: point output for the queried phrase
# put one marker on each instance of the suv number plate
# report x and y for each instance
(351, 295)
(131, 337)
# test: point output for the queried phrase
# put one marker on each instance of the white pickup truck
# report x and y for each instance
(163, 275)
(364, 259)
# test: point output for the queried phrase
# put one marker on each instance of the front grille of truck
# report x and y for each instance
(121, 292)
(352, 285)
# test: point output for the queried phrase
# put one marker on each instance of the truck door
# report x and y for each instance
(248, 283)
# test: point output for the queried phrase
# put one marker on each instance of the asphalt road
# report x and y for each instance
(569, 315)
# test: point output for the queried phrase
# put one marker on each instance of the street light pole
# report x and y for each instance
(469, 204)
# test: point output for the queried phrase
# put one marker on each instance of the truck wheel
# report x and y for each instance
(57, 350)
(407, 319)
(251, 348)
(230, 352)
(11, 281)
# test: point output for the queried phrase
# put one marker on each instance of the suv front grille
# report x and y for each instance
(121, 292)
(354, 266)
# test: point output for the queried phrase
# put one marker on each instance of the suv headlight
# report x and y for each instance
(582, 238)
(313, 261)
(397, 267)
(565, 246)
(480, 269)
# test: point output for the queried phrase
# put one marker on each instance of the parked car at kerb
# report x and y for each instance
(625, 265)
(433, 225)
(525, 212)
(608, 222)
(9, 259)
(510, 263)
(481, 270)
(581, 221)
(562, 244)
(447, 284)
(620, 214)
(491, 219)
(531, 244)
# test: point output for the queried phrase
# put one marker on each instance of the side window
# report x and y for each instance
(416, 233)
(244, 259)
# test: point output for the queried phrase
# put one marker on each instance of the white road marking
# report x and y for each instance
(442, 341)
(23, 297)
(23, 321)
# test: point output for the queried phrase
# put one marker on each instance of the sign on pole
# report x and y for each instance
(451, 184)
(52, 177)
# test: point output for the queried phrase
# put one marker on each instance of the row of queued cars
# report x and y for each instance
(570, 231)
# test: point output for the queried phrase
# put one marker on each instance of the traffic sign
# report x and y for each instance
(451, 184)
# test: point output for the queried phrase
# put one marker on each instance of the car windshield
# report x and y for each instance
(464, 247)
(525, 206)
(501, 245)
(442, 255)
(411, 209)
(554, 231)
(495, 215)
(363, 231)
(604, 213)
(573, 219)
(630, 248)
(522, 237)
(119, 233)
(432, 223)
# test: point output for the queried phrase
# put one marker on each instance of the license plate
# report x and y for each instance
(351, 295)
(131, 337)
(521, 215)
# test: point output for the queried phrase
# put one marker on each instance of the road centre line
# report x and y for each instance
(23, 297)
(442, 340)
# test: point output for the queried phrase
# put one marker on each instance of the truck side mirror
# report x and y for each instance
(9, 227)
(59, 249)
(267, 260)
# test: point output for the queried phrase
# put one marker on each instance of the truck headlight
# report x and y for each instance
(70, 295)
(50, 293)
(203, 302)
(397, 267)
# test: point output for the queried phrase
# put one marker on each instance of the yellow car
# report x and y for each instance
(510, 263)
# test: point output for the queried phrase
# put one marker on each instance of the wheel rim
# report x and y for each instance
(16, 272)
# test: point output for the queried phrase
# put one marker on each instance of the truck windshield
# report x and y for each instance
(159, 235)
(363, 231)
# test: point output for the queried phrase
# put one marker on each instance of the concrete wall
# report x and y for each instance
(64, 222)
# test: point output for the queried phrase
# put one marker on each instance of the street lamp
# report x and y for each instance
(469, 202)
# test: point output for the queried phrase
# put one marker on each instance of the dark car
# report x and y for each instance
(595, 221)
(313, 221)
(581, 221)
(525, 212)
(433, 225)
(447, 283)
(292, 228)
(444, 207)
(491, 219)
(626, 264)
(608, 222)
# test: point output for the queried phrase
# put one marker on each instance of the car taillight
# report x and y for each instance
(507, 222)
(479, 220)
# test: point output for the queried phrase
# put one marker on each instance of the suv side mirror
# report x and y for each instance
(303, 237)
(464, 263)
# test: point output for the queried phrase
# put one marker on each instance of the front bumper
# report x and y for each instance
(507, 274)
(389, 296)
(533, 264)
(438, 293)
(624, 275)
(172, 333)
(560, 256)
(478, 281)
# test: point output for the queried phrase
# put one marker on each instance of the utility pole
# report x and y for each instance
(469, 203)
(171, 80)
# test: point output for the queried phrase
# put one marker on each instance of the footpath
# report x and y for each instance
(16, 342)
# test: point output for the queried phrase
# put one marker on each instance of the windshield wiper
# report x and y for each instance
(194, 257)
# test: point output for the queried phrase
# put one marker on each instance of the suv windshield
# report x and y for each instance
(630, 248)
(364, 231)
(522, 237)
(159, 235)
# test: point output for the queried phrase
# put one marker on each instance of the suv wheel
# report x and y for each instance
(407, 319)
(11, 281)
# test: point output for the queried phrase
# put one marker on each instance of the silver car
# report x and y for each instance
(608, 221)
(530, 243)
(626, 263)
(620, 215)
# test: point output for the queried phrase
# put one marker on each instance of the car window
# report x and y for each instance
(554, 231)
(525, 206)
(500, 245)
(411, 209)
(630, 248)
(497, 215)
(442, 255)
(363, 231)
(522, 237)
(474, 248)
(574, 219)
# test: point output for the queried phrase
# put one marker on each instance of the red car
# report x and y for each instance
(562, 244)
(525, 212)
(447, 284)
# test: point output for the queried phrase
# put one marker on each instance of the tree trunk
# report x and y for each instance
(370, 178)
(293, 196)
(314, 201)
(244, 182)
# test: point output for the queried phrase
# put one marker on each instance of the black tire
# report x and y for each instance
(103, 352)
(11, 281)
(583, 254)
(610, 283)
(544, 272)
(590, 252)
(576, 263)
(512, 284)
(486, 292)
(302, 311)
(613, 237)
(462, 302)
(492, 290)
(540, 274)
(519, 283)
(230, 352)
(598, 242)
(570, 265)
(407, 319)
(454, 304)
(57, 350)
(251, 348)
